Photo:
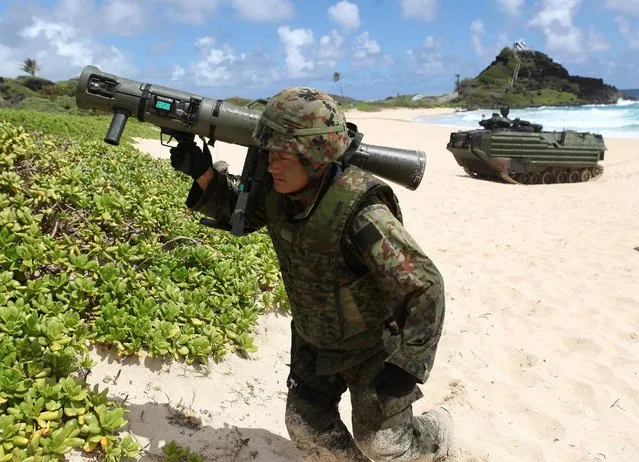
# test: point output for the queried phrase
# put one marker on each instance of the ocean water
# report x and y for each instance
(631, 92)
(619, 120)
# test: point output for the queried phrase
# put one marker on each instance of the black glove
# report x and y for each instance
(187, 157)
(394, 381)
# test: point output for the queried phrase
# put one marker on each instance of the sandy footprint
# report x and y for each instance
(581, 393)
(456, 392)
(547, 427)
(582, 345)
(523, 359)
(620, 361)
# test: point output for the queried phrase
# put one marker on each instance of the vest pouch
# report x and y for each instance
(362, 312)
(313, 307)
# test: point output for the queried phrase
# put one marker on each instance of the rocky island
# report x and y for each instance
(529, 78)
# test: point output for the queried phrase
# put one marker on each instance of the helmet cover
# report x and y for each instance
(303, 121)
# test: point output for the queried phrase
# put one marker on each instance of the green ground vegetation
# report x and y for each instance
(36, 93)
(96, 247)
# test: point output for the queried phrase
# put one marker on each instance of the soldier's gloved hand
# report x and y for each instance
(394, 381)
(187, 157)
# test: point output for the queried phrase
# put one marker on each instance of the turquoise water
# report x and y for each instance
(619, 120)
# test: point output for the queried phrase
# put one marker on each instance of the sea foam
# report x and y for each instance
(619, 120)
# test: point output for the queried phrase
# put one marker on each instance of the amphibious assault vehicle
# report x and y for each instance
(520, 152)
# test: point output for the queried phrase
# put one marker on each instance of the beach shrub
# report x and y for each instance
(173, 452)
(77, 127)
(96, 246)
(64, 104)
(12, 92)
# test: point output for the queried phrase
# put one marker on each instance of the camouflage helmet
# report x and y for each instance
(303, 121)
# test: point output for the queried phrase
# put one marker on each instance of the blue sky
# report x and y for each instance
(253, 48)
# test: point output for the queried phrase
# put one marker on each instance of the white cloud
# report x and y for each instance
(204, 42)
(111, 59)
(477, 27)
(429, 42)
(477, 33)
(218, 64)
(555, 20)
(304, 56)
(61, 37)
(61, 47)
(419, 9)
(106, 17)
(366, 49)
(213, 70)
(346, 14)
(295, 38)
(427, 59)
(115, 13)
(477, 40)
(178, 72)
(426, 63)
(624, 6)
(511, 7)
(264, 10)
(214, 66)
(330, 50)
(295, 42)
(632, 36)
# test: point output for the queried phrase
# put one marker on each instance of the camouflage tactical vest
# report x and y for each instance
(333, 307)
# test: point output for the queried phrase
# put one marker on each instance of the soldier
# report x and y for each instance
(367, 303)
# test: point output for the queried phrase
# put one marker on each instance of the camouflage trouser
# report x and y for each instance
(384, 428)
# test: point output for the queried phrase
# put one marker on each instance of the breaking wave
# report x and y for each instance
(619, 120)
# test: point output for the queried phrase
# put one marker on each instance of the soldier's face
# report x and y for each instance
(289, 175)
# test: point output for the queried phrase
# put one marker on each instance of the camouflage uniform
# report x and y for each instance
(362, 292)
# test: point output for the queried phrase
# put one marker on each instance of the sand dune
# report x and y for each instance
(539, 360)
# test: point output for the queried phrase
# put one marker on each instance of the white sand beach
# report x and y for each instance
(539, 359)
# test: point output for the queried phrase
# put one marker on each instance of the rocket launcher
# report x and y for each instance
(182, 115)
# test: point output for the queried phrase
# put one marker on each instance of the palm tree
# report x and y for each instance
(30, 66)
(336, 78)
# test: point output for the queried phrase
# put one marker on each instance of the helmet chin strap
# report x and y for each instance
(315, 176)
(306, 197)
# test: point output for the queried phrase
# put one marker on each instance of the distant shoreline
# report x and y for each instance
(374, 107)
(537, 106)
